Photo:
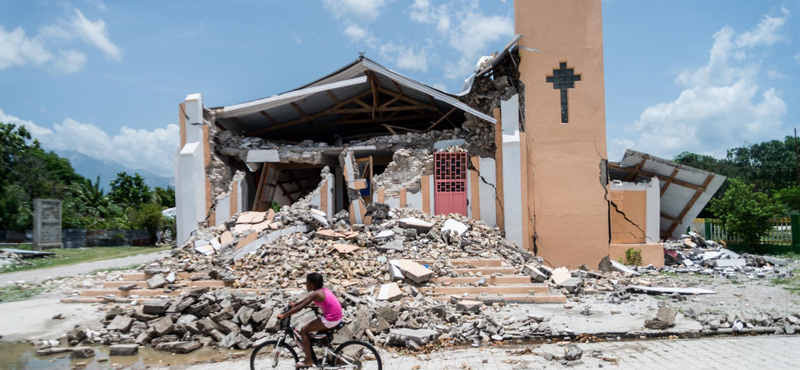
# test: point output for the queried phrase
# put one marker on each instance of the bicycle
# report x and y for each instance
(350, 355)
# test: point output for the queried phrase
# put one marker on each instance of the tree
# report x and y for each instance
(745, 212)
(789, 198)
(164, 197)
(129, 191)
(148, 217)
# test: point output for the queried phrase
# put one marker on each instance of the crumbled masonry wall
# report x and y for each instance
(487, 93)
(405, 170)
(303, 202)
(219, 173)
(352, 194)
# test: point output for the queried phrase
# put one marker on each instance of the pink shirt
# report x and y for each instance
(331, 308)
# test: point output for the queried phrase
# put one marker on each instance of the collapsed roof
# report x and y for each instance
(359, 100)
(685, 190)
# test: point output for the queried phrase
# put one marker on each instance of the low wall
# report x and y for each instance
(79, 238)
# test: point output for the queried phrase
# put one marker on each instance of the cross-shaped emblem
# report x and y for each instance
(563, 78)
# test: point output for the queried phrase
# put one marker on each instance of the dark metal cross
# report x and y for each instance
(563, 78)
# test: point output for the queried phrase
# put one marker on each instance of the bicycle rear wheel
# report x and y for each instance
(268, 356)
(358, 355)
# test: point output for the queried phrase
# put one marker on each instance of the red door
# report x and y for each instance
(450, 180)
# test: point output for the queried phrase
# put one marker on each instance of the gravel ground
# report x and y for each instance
(40, 275)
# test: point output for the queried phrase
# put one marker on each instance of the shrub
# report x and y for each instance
(148, 217)
(745, 212)
(633, 256)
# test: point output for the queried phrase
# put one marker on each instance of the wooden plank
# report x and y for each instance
(670, 180)
(632, 175)
(333, 97)
(268, 117)
(403, 198)
(691, 203)
(441, 119)
(390, 129)
(314, 116)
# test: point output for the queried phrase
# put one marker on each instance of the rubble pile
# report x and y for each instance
(743, 322)
(309, 151)
(9, 259)
(694, 254)
(371, 268)
(405, 170)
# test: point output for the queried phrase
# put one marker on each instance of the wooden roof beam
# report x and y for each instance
(662, 177)
(314, 116)
(441, 119)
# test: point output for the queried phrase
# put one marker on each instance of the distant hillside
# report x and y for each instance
(91, 167)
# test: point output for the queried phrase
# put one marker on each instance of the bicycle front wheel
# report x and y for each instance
(270, 356)
(358, 355)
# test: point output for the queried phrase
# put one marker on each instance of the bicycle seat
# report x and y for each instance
(328, 334)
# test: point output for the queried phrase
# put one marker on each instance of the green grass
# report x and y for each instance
(15, 293)
(791, 284)
(64, 257)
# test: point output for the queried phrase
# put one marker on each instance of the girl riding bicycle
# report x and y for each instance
(331, 314)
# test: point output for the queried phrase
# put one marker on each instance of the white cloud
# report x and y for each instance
(406, 57)
(421, 11)
(766, 33)
(774, 74)
(359, 35)
(297, 39)
(361, 10)
(471, 38)
(722, 105)
(98, 3)
(95, 33)
(616, 148)
(69, 61)
(17, 49)
(136, 149)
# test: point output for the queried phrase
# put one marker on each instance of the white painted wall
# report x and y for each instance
(190, 190)
(512, 181)
(414, 200)
(487, 192)
(653, 210)
(223, 211)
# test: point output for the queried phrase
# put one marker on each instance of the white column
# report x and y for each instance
(487, 191)
(512, 181)
(190, 176)
(190, 190)
(653, 211)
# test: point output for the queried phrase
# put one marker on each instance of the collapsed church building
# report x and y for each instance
(522, 147)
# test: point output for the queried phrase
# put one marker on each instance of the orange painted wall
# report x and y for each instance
(634, 206)
(564, 193)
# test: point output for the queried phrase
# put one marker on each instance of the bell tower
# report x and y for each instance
(565, 129)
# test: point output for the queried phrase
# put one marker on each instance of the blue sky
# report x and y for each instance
(105, 78)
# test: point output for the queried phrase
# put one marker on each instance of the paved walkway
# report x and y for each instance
(40, 275)
(757, 352)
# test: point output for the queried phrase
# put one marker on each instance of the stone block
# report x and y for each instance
(156, 282)
(123, 350)
(120, 323)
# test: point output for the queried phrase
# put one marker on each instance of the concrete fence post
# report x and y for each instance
(795, 231)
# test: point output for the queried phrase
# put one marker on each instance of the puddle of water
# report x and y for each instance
(22, 356)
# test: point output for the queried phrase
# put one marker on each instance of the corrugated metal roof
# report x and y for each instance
(345, 83)
(510, 46)
(677, 196)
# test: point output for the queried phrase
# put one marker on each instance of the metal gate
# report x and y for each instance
(450, 180)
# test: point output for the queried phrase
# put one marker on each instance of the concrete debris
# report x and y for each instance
(664, 319)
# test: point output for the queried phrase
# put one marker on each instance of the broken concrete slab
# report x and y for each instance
(120, 323)
(418, 336)
(453, 227)
(572, 284)
(82, 352)
(385, 234)
(344, 248)
(616, 266)
(178, 347)
(417, 224)
(155, 307)
(390, 292)
(469, 306)
(414, 271)
(741, 262)
(536, 274)
(669, 290)
(123, 350)
(155, 282)
(560, 275)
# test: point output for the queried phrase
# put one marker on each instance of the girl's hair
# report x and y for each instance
(315, 279)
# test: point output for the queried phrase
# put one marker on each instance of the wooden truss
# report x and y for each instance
(698, 189)
(387, 106)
